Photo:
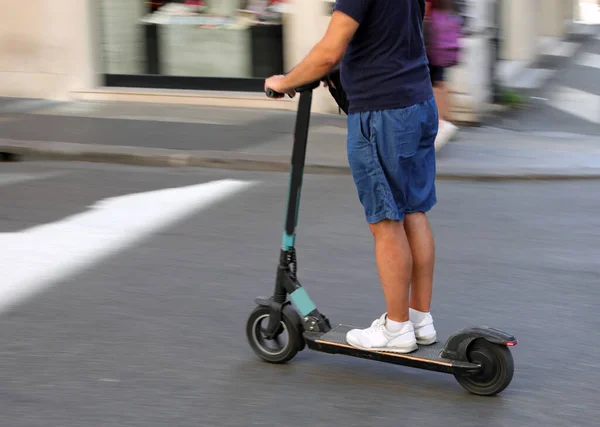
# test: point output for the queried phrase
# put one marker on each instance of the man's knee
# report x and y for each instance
(386, 227)
(416, 221)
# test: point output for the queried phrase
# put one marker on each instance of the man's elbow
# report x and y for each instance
(331, 56)
(331, 60)
(334, 59)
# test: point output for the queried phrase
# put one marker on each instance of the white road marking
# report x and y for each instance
(566, 49)
(36, 258)
(532, 78)
(588, 60)
(554, 46)
(576, 102)
(15, 178)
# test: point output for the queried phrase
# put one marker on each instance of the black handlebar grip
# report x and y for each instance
(273, 94)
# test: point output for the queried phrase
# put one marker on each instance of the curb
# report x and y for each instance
(161, 157)
(157, 157)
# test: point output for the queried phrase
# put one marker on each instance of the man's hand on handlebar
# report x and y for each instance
(275, 89)
(278, 91)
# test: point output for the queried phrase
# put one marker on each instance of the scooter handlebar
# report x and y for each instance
(273, 94)
(308, 87)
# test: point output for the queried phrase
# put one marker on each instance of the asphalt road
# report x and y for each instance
(151, 333)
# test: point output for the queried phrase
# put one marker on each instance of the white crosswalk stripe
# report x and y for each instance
(579, 103)
(587, 59)
(577, 93)
(39, 257)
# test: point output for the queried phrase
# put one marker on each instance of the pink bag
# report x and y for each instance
(443, 34)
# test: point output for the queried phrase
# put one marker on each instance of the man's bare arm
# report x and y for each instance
(326, 54)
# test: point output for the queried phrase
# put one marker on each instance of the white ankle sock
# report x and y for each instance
(417, 316)
(393, 326)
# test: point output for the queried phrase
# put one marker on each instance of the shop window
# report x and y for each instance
(192, 39)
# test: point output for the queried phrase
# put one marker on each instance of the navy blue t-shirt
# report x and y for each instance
(385, 65)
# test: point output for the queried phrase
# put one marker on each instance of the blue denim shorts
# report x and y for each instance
(392, 159)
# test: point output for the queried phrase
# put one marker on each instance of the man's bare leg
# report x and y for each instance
(393, 331)
(422, 246)
(394, 264)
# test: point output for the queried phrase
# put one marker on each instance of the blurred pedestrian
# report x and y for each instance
(442, 29)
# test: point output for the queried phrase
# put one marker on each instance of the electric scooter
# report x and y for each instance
(478, 357)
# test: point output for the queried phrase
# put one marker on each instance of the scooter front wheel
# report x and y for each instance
(497, 368)
(286, 343)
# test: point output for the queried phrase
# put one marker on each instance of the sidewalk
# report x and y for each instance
(169, 135)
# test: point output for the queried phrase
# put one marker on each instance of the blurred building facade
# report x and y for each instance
(216, 52)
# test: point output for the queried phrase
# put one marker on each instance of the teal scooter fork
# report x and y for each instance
(299, 296)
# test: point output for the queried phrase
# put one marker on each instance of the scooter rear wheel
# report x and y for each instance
(497, 368)
(280, 351)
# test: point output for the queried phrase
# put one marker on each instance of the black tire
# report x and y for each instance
(282, 353)
(498, 368)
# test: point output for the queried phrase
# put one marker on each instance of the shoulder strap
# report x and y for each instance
(334, 84)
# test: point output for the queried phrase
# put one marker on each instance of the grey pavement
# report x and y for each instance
(154, 335)
(159, 135)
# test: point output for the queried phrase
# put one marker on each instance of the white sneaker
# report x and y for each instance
(423, 325)
(378, 338)
(446, 132)
(452, 130)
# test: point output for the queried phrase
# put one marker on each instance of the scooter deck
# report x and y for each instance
(425, 357)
